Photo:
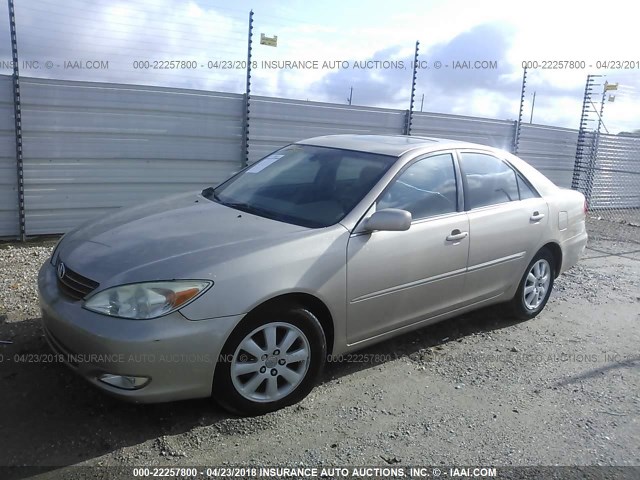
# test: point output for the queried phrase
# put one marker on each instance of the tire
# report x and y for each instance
(271, 360)
(534, 291)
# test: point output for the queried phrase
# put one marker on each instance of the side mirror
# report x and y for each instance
(389, 219)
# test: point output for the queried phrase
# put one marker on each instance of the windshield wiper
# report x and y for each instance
(211, 192)
(245, 207)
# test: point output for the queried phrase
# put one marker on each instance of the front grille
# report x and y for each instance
(74, 285)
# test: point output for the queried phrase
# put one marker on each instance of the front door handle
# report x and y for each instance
(536, 217)
(456, 236)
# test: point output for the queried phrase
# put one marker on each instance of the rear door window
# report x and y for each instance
(487, 180)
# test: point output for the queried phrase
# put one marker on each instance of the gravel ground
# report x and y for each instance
(482, 389)
(619, 226)
(19, 265)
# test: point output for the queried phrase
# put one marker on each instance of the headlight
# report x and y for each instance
(142, 301)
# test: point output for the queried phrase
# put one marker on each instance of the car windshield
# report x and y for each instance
(305, 185)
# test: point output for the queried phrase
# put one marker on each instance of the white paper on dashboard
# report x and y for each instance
(264, 163)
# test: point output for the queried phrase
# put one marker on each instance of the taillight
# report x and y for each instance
(585, 207)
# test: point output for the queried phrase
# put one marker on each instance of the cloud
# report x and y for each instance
(485, 92)
(484, 43)
(381, 80)
(124, 32)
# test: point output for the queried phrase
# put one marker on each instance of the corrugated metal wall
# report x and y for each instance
(552, 150)
(9, 220)
(90, 148)
(616, 180)
(275, 122)
(495, 133)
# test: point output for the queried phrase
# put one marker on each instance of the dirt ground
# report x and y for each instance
(482, 389)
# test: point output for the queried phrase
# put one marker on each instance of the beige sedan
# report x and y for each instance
(321, 248)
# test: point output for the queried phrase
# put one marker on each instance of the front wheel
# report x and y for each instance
(535, 286)
(270, 361)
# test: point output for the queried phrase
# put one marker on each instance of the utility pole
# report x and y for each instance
(533, 104)
(421, 103)
(350, 96)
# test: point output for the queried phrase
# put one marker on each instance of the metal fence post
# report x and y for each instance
(407, 122)
(244, 159)
(593, 159)
(516, 136)
(17, 112)
(578, 165)
(414, 76)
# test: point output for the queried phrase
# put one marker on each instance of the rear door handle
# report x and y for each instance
(536, 217)
(456, 235)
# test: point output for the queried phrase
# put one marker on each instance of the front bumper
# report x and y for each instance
(177, 355)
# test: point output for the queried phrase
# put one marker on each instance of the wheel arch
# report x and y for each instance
(305, 300)
(556, 252)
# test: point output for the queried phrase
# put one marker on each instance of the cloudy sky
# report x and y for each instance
(377, 35)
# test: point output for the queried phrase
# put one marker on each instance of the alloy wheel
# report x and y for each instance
(270, 362)
(537, 284)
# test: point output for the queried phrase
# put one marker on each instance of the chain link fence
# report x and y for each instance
(607, 167)
(614, 196)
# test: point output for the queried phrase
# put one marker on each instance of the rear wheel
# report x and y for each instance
(535, 286)
(270, 361)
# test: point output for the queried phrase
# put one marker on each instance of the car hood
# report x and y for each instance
(167, 239)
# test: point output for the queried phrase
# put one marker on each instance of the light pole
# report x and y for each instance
(533, 104)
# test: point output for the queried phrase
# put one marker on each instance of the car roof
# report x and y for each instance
(395, 145)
